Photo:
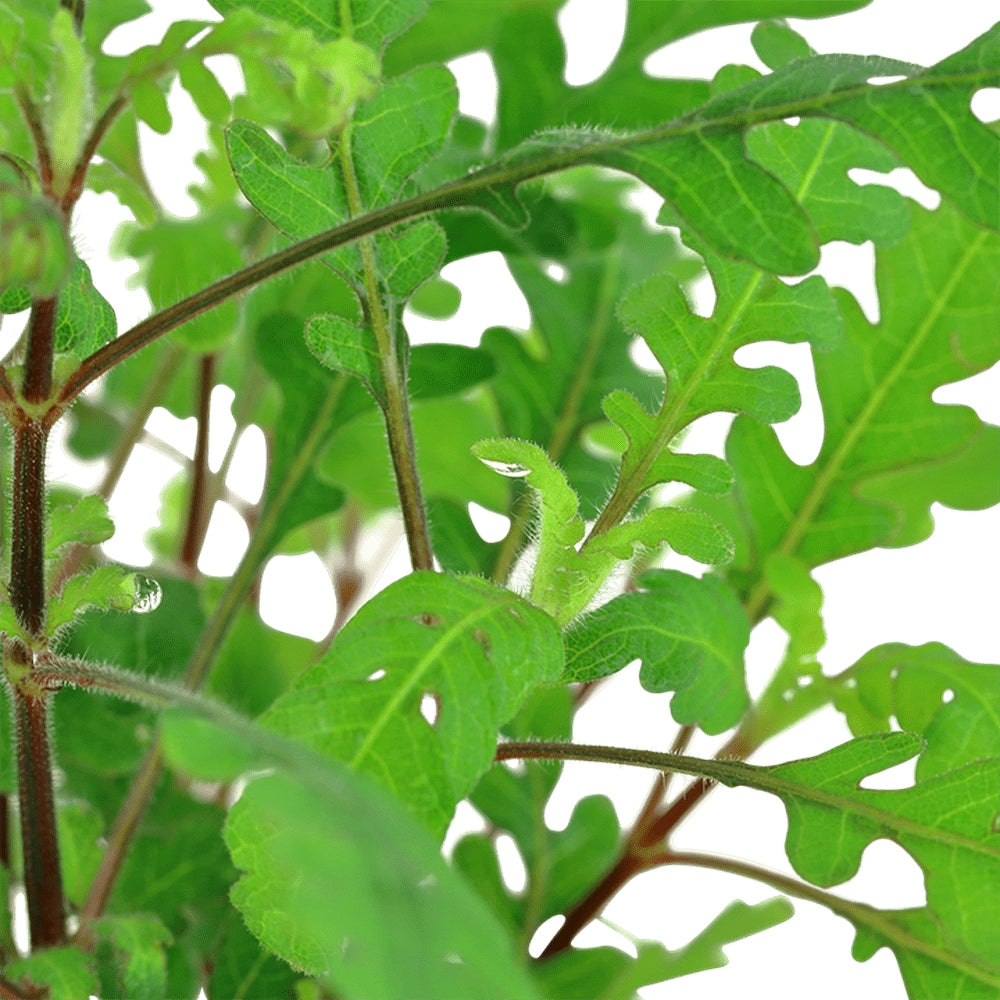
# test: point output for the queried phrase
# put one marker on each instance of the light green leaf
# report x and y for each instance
(241, 967)
(437, 299)
(814, 158)
(476, 649)
(565, 579)
(610, 974)
(86, 522)
(314, 893)
(372, 22)
(445, 430)
(65, 971)
(107, 587)
(777, 44)
(348, 348)
(690, 634)
(85, 320)
(435, 940)
(312, 405)
(928, 689)
(69, 110)
(178, 257)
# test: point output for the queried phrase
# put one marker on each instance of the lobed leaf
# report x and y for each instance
(86, 522)
(888, 451)
(610, 974)
(691, 636)
(928, 689)
(476, 649)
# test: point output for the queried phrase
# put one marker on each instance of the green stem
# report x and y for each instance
(392, 361)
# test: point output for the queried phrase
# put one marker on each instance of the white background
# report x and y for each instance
(945, 589)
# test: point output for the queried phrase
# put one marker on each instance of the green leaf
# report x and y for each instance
(312, 405)
(814, 158)
(107, 587)
(777, 44)
(178, 257)
(139, 942)
(346, 347)
(458, 547)
(242, 968)
(80, 830)
(445, 430)
(65, 971)
(475, 648)
(86, 522)
(928, 689)
(436, 939)
(302, 200)
(177, 866)
(690, 634)
(372, 22)
(256, 664)
(437, 299)
(564, 579)
(874, 480)
(85, 320)
(696, 354)
(610, 974)
(314, 893)
(69, 111)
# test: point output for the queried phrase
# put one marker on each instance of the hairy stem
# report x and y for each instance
(38, 362)
(40, 843)
(396, 402)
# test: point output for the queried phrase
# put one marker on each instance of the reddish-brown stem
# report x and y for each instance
(671, 817)
(42, 873)
(97, 133)
(197, 520)
(34, 122)
(27, 568)
(648, 812)
(627, 865)
(7, 393)
(38, 362)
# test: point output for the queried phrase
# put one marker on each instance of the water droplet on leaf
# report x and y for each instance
(148, 595)
(511, 469)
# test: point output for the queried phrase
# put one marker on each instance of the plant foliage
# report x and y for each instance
(240, 812)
